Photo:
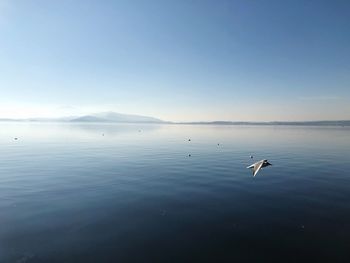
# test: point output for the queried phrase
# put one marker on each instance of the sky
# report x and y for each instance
(176, 60)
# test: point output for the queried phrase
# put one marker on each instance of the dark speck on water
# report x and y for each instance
(68, 196)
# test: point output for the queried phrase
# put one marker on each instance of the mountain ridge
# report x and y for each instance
(114, 117)
(108, 116)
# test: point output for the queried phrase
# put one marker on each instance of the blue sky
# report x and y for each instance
(176, 60)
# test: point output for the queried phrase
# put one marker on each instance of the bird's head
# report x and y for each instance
(266, 163)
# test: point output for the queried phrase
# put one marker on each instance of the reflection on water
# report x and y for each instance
(131, 193)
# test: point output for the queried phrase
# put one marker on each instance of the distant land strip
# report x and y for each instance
(271, 123)
(115, 117)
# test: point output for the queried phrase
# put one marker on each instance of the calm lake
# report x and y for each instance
(145, 193)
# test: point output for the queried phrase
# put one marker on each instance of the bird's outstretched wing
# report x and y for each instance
(257, 167)
(251, 166)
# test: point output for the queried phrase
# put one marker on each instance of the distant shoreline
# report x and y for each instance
(275, 123)
(115, 117)
(342, 123)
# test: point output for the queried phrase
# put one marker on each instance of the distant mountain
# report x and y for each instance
(130, 118)
(116, 117)
(88, 118)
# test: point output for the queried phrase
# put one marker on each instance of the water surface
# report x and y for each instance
(145, 193)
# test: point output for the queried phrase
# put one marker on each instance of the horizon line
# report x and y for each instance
(220, 122)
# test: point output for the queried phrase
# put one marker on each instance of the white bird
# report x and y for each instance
(258, 165)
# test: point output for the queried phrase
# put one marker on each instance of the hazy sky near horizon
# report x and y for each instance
(176, 60)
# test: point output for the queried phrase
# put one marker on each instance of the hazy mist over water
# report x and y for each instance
(145, 193)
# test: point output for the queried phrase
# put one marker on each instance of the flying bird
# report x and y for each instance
(258, 165)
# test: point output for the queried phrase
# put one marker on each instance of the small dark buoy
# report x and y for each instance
(189, 140)
(16, 138)
(251, 157)
(218, 144)
(189, 155)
